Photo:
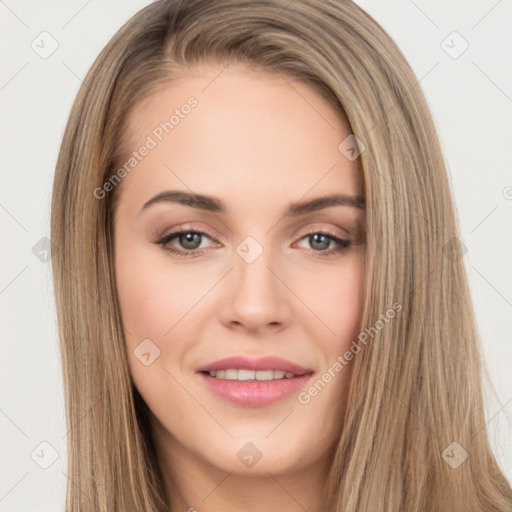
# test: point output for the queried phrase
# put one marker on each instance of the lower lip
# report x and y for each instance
(255, 393)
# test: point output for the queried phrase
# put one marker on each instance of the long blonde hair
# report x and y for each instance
(415, 389)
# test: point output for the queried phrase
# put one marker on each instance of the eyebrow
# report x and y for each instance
(215, 205)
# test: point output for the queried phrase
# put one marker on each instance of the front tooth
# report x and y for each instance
(264, 375)
(246, 374)
(231, 374)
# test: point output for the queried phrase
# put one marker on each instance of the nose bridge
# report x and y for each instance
(252, 274)
(256, 296)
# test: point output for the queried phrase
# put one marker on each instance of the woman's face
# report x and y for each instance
(265, 280)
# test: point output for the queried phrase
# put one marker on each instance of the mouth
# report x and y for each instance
(254, 382)
(250, 375)
(243, 365)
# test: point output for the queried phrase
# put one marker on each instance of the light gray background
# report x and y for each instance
(470, 97)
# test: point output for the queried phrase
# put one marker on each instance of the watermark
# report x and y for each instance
(454, 455)
(45, 45)
(249, 249)
(43, 249)
(454, 250)
(249, 455)
(454, 45)
(151, 142)
(44, 455)
(304, 397)
(351, 147)
(146, 352)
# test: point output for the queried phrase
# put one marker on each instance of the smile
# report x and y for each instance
(248, 375)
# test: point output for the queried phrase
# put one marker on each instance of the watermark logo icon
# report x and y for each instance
(454, 455)
(249, 249)
(146, 352)
(43, 249)
(454, 250)
(45, 45)
(44, 455)
(249, 455)
(351, 147)
(454, 45)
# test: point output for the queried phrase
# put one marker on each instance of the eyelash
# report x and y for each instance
(343, 245)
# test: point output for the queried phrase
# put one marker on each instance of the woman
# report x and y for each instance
(317, 349)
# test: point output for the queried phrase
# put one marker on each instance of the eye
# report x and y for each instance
(320, 240)
(190, 240)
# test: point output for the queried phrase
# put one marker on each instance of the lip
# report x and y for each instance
(261, 363)
(253, 393)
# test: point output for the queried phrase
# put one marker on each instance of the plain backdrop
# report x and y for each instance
(461, 54)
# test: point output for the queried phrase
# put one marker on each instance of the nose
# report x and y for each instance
(256, 296)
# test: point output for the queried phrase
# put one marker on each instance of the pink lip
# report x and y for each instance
(254, 393)
(262, 363)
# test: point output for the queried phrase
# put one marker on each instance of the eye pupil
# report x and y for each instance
(188, 238)
(316, 237)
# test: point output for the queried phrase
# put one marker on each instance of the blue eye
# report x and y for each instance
(190, 240)
(318, 239)
(187, 237)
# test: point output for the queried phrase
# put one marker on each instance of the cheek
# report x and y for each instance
(345, 309)
(335, 297)
(154, 302)
(153, 297)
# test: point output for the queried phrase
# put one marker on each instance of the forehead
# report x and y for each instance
(238, 133)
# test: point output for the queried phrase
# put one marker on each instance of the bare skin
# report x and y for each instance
(257, 144)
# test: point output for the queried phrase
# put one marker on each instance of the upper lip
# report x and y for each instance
(261, 363)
